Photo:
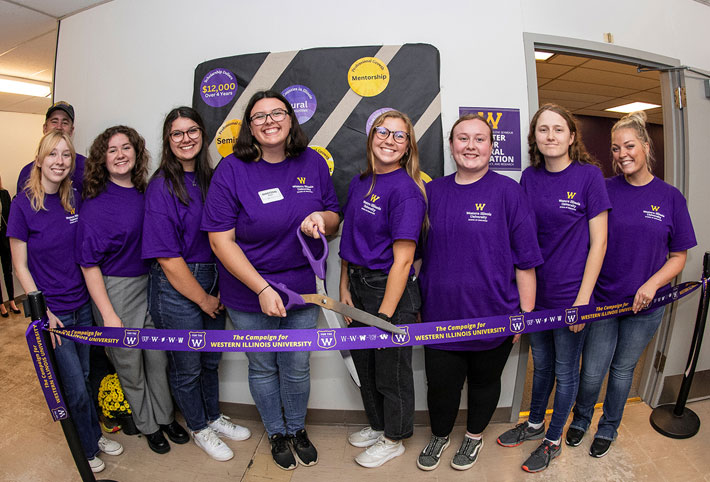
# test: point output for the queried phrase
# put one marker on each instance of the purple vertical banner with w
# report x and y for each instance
(505, 124)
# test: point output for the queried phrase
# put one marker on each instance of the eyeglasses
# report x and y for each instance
(193, 133)
(400, 137)
(277, 115)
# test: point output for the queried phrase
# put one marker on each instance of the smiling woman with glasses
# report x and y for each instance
(182, 287)
(383, 217)
(259, 196)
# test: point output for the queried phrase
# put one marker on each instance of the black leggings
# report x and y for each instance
(447, 370)
(6, 260)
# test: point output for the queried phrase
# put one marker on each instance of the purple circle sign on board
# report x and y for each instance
(302, 100)
(218, 87)
(373, 116)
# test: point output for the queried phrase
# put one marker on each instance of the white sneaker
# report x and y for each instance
(382, 451)
(208, 441)
(110, 447)
(96, 464)
(232, 431)
(365, 437)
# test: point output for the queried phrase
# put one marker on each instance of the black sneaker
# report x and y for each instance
(600, 447)
(541, 456)
(574, 436)
(306, 453)
(520, 433)
(281, 452)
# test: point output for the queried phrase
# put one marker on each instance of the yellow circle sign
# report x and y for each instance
(368, 76)
(227, 136)
(326, 155)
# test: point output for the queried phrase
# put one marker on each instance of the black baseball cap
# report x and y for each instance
(63, 106)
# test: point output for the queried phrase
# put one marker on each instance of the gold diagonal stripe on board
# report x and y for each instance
(428, 117)
(271, 69)
(347, 104)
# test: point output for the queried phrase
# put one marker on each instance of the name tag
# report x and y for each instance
(270, 195)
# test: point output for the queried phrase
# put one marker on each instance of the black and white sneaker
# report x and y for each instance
(574, 436)
(467, 454)
(306, 453)
(430, 457)
(281, 452)
(600, 447)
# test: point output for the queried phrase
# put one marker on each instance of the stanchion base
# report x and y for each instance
(669, 424)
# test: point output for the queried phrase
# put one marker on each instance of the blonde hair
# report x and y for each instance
(409, 161)
(637, 122)
(34, 188)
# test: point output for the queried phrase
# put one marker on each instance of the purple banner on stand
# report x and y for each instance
(45, 372)
(360, 338)
(505, 124)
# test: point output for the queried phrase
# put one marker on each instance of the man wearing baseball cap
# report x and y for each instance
(60, 117)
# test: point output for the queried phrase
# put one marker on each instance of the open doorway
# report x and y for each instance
(587, 87)
(587, 78)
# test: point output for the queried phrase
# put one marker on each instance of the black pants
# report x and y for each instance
(447, 370)
(6, 259)
(386, 378)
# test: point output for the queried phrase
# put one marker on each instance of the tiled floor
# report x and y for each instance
(32, 448)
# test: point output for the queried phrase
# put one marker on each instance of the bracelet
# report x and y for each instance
(384, 317)
(262, 290)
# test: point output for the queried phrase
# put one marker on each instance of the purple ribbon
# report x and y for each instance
(359, 338)
(45, 372)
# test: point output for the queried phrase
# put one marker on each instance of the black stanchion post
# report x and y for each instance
(36, 306)
(676, 420)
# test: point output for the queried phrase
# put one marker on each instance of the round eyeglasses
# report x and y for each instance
(277, 115)
(193, 133)
(400, 137)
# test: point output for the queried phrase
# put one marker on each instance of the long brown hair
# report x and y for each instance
(577, 151)
(96, 175)
(34, 188)
(171, 169)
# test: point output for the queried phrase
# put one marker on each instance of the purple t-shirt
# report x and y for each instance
(77, 177)
(372, 222)
(110, 232)
(645, 224)
(172, 229)
(49, 235)
(563, 203)
(265, 204)
(479, 234)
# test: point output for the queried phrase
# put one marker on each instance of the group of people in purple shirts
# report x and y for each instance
(175, 250)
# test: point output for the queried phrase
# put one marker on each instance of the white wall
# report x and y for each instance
(129, 61)
(20, 136)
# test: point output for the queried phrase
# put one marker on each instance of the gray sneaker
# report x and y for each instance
(520, 433)
(430, 457)
(467, 454)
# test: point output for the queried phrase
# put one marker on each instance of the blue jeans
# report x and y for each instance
(614, 346)
(193, 376)
(556, 355)
(73, 362)
(386, 376)
(280, 382)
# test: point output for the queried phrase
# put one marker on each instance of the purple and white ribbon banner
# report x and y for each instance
(330, 339)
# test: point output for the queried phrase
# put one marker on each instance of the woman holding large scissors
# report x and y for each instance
(258, 197)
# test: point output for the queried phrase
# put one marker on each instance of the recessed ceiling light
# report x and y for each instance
(542, 55)
(632, 107)
(25, 87)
